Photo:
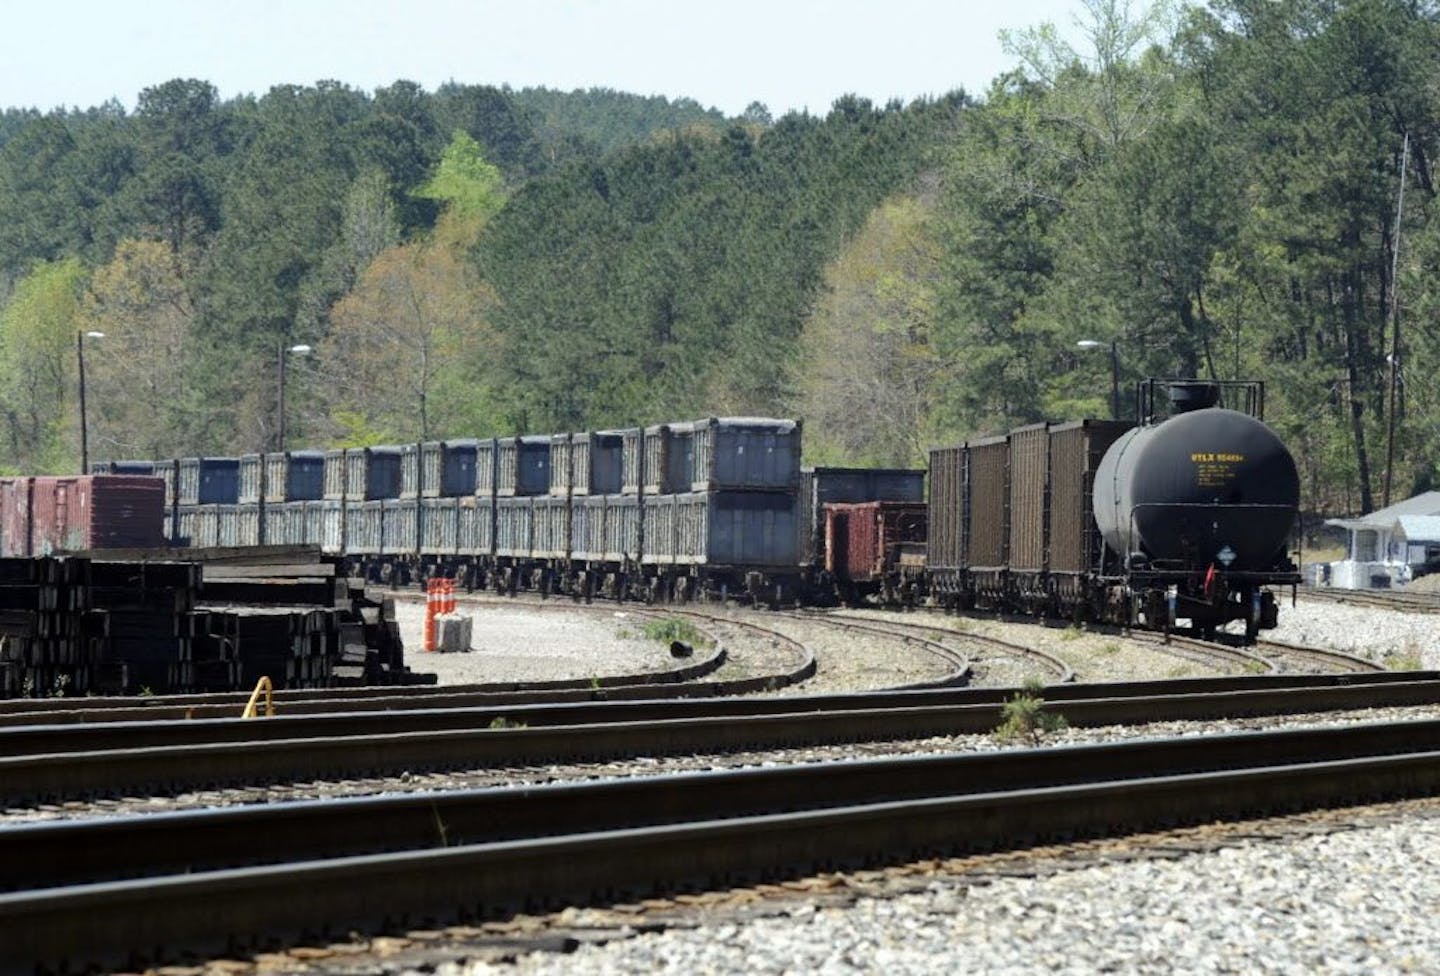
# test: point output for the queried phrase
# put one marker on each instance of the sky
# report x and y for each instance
(788, 54)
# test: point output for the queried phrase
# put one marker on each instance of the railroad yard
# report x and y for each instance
(833, 823)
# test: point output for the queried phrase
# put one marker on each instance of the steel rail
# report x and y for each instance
(1324, 656)
(1060, 669)
(465, 714)
(57, 853)
(143, 920)
(65, 775)
(960, 670)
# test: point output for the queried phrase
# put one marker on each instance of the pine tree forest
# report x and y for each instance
(1236, 190)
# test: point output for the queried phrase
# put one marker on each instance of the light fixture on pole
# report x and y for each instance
(80, 338)
(298, 350)
(1114, 372)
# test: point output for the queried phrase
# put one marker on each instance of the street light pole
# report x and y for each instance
(299, 350)
(80, 338)
(1114, 371)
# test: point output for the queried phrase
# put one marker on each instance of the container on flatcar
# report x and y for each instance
(587, 527)
(822, 485)
(208, 481)
(364, 527)
(552, 527)
(372, 473)
(440, 525)
(729, 528)
(475, 526)
(332, 519)
(745, 454)
(448, 469)
(586, 463)
(514, 527)
(622, 528)
(659, 460)
(198, 526)
(523, 466)
(71, 513)
(295, 476)
(399, 526)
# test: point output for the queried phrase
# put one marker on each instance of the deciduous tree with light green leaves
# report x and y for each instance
(38, 396)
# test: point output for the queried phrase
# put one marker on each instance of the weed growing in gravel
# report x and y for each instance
(1255, 667)
(1110, 648)
(1406, 660)
(673, 629)
(505, 723)
(1026, 718)
(1073, 632)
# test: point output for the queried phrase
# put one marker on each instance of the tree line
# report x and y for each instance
(1240, 190)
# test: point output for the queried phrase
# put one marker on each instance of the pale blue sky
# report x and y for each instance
(790, 54)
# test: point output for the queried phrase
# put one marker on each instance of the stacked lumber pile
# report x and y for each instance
(127, 623)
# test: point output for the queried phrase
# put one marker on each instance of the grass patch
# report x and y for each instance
(1073, 632)
(1110, 648)
(1025, 717)
(674, 629)
(1406, 660)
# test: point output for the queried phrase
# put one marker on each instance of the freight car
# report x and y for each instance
(1183, 519)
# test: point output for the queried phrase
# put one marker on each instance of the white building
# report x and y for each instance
(1388, 547)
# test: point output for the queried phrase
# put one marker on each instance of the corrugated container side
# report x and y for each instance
(552, 527)
(873, 535)
(336, 470)
(439, 526)
(410, 471)
(313, 519)
(562, 459)
(487, 466)
(587, 528)
(399, 525)
(332, 525)
(656, 466)
(622, 528)
(227, 531)
(945, 546)
(209, 481)
(252, 479)
(15, 495)
(187, 481)
(475, 526)
(199, 525)
(657, 519)
(1029, 498)
(750, 453)
(432, 463)
(514, 527)
(1075, 452)
(364, 527)
(632, 461)
(169, 472)
(988, 531)
(736, 529)
(276, 475)
(283, 523)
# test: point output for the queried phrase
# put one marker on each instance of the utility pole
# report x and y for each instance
(1395, 324)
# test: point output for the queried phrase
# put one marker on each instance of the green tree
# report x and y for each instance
(38, 369)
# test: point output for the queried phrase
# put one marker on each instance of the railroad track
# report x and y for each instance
(1399, 600)
(1053, 667)
(1321, 659)
(67, 762)
(143, 889)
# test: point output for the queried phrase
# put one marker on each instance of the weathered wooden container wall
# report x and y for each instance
(1029, 498)
(1075, 452)
(732, 528)
(949, 473)
(514, 527)
(523, 466)
(440, 526)
(988, 530)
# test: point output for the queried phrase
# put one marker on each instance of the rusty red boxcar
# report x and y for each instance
(44, 515)
(875, 547)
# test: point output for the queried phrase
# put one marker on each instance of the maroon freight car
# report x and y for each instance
(875, 548)
(44, 515)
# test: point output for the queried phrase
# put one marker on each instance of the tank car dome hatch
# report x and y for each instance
(1185, 397)
(1208, 486)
